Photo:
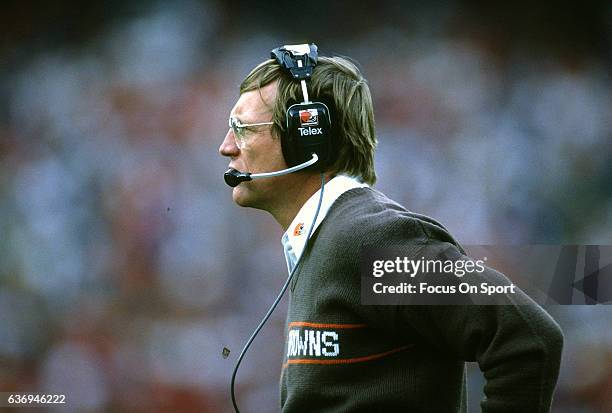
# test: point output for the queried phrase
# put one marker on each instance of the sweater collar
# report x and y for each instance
(294, 239)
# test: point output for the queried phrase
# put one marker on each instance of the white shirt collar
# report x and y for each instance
(294, 239)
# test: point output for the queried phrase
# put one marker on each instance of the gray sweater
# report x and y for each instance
(342, 356)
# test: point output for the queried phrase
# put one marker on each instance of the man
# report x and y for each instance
(341, 355)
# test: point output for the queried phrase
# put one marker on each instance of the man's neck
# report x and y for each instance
(289, 208)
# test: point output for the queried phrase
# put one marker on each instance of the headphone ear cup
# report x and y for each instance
(308, 131)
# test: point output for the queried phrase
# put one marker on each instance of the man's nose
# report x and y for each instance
(228, 146)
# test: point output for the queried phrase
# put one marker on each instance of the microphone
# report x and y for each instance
(233, 177)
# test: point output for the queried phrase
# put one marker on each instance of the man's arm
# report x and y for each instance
(517, 344)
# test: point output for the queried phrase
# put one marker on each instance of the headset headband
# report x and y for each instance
(308, 128)
(297, 59)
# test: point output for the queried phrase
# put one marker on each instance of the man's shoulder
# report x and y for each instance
(370, 214)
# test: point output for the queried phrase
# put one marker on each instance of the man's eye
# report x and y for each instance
(244, 130)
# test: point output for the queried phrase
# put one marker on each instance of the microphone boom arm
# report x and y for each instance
(233, 177)
(295, 168)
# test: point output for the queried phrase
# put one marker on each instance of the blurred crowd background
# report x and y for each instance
(125, 268)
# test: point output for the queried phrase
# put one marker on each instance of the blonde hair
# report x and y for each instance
(338, 83)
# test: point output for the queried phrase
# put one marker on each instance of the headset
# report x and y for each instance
(306, 142)
(307, 138)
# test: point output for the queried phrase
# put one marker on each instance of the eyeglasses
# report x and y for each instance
(241, 130)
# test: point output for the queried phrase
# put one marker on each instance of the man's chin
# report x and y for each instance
(243, 197)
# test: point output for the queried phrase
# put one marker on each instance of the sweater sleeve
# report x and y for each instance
(517, 344)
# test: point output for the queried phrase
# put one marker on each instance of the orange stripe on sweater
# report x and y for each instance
(318, 325)
(346, 361)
